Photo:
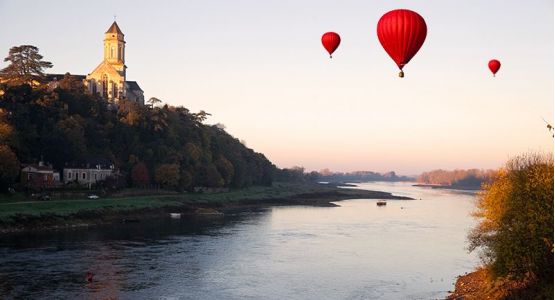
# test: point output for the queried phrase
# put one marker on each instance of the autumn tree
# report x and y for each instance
(167, 175)
(71, 83)
(25, 66)
(515, 233)
(139, 175)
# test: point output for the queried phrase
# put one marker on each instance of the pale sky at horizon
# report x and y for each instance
(259, 68)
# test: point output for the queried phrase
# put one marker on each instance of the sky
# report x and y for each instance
(260, 69)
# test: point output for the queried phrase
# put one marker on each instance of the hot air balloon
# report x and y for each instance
(401, 33)
(331, 41)
(494, 66)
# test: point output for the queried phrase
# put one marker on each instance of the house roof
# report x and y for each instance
(52, 77)
(90, 163)
(37, 167)
(114, 29)
(133, 86)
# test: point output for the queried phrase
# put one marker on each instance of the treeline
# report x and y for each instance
(359, 176)
(167, 146)
(464, 179)
(296, 174)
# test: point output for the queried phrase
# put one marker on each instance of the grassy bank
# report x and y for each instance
(21, 214)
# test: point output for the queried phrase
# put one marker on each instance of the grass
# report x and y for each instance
(13, 205)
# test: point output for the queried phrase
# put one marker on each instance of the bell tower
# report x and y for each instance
(114, 48)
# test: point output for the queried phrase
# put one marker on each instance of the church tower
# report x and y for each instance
(114, 48)
(108, 80)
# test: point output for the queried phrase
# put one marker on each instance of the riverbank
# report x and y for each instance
(59, 214)
(447, 187)
(477, 285)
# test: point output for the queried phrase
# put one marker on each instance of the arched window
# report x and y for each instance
(104, 86)
(112, 52)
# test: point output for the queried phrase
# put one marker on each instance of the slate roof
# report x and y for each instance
(133, 86)
(90, 163)
(114, 29)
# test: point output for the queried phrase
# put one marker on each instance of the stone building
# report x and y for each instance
(109, 79)
(88, 172)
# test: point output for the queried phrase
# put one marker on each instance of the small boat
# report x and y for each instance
(175, 215)
(381, 203)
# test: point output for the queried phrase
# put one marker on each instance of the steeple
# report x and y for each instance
(114, 47)
(114, 29)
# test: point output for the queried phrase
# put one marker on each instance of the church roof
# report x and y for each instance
(133, 86)
(52, 77)
(114, 29)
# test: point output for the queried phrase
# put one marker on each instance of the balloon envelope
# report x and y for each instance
(331, 41)
(401, 33)
(494, 66)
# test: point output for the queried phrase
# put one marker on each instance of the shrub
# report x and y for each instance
(515, 232)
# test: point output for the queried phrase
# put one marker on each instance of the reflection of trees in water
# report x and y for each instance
(123, 257)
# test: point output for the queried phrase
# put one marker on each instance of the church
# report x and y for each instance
(109, 79)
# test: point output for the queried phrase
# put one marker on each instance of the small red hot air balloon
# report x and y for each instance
(494, 66)
(401, 33)
(331, 41)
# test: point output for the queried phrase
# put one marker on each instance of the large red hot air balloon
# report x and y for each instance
(331, 41)
(494, 66)
(401, 33)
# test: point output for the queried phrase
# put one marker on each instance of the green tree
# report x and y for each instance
(153, 101)
(25, 66)
(226, 170)
(167, 175)
(186, 180)
(515, 232)
(9, 167)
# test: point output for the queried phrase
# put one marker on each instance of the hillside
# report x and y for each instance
(164, 146)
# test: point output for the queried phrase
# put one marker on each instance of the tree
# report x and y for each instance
(200, 117)
(515, 232)
(139, 175)
(9, 167)
(226, 170)
(154, 101)
(167, 175)
(26, 66)
(71, 83)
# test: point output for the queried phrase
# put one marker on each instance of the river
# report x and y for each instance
(408, 249)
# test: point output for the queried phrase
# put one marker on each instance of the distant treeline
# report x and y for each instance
(467, 179)
(359, 176)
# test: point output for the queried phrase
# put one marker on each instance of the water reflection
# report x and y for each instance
(407, 249)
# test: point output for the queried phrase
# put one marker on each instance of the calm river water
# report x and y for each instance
(405, 250)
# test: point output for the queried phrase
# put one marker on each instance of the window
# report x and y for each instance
(95, 176)
(84, 175)
(112, 52)
(28, 176)
(68, 175)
